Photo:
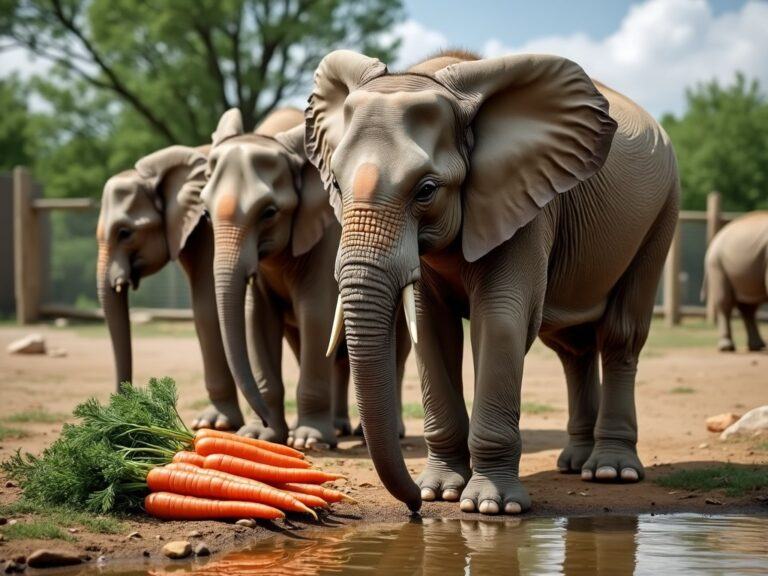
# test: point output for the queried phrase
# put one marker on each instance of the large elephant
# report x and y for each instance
(736, 274)
(505, 191)
(149, 216)
(275, 232)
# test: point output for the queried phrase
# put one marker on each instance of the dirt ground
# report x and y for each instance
(682, 380)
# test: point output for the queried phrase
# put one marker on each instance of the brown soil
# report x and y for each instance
(681, 382)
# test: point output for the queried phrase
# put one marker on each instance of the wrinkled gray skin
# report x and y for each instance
(275, 232)
(736, 274)
(149, 216)
(508, 193)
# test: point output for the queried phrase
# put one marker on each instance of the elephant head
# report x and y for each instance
(266, 203)
(457, 153)
(146, 216)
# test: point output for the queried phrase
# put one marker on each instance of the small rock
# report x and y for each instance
(753, 421)
(61, 322)
(703, 445)
(93, 548)
(145, 553)
(177, 549)
(247, 523)
(12, 567)
(202, 550)
(10, 484)
(73, 530)
(366, 485)
(713, 501)
(12, 521)
(571, 492)
(57, 352)
(45, 558)
(721, 421)
(31, 344)
(133, 536)
(159, 537)
(101, 559)
(195, 534)
(3, 521)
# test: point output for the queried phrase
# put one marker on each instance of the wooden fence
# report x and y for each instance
(28, 274)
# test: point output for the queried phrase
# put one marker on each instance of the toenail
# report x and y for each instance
(513, 508)
(586, 474)
(605, 473)
(489, 507)
(427, 494)
(629, 474)
(450, 494)
(467, 505)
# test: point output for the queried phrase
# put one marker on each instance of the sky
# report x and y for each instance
(650, 50)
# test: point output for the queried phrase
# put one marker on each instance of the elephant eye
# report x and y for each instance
(269, 213)
(124, 234)
(336, 185)
(426, 191)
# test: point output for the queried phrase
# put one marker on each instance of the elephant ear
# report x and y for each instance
(181, 204)
(230, 124)
(538, 126)
(338, 74)
(313, 214)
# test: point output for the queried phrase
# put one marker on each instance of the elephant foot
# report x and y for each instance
(726, 345)
(220, 415)
(756, 346)
(343, 426)
(613, 461)
(574, 455)
(256, 429)
(495, 493)
(400, 430)
(443, 480)
(313, 433)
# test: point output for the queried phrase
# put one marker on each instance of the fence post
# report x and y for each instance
(672, 281)
(714, 221)
(26, 248)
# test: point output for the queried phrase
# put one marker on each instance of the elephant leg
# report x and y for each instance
(755, 343)
(446, 426)
(197, 261)
(621, 336)
(577, 349)
(313, 394)
(340, 391)
(291, 335)
(722, 295)
(265, 349)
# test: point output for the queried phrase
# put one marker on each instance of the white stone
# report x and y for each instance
(31, 344)
(754, 421)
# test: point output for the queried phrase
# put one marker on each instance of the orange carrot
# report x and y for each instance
(265, 472)
(177, 507)
(327, 494)
(189, 458)
(188, 483)
(305, 498)
(263, 444)
(208, 446)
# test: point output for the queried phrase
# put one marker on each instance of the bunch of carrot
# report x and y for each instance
(230, 476)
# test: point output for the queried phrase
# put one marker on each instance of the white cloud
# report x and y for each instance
(417, 42)
(663, 46)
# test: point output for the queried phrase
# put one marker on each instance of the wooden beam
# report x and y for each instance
(714, 222)
(64, 204)
(26, 249)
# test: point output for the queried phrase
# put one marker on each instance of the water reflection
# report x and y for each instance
(573, 546)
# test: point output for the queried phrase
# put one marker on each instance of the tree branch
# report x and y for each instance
(212, 58)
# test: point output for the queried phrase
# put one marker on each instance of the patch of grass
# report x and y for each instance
(735, 481)
(682, 390)
(535, 408)
(6, 433)
(36, 415)
(64, 517)
(761, 446)
(413, 410)
(35, 530)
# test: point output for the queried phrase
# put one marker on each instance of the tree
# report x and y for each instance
(14, 124)
(721, 143)
(175, 66)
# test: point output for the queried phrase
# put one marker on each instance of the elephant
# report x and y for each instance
(275, 240)
(506, 191)
(736, 273)
(151, 215)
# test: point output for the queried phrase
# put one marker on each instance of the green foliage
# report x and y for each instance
(535, 408)
(14, 433)
(722, 144)
(37, 415)
(63, 516)
(14, 133)
(99, 465)
(734, 480)
(43, 529)
(682, 390)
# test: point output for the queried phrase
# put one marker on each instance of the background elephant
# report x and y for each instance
(505, 191)
(275, 232)
(149, 216)
(736, 274)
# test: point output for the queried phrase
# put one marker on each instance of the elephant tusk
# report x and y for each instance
(337, 330)
(119, 288)
(250, 280)
(409, 304)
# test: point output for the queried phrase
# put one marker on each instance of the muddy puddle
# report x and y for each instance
(673, 544)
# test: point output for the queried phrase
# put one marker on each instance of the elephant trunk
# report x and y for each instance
(112, 288)
(231, 279)
(369, 298)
